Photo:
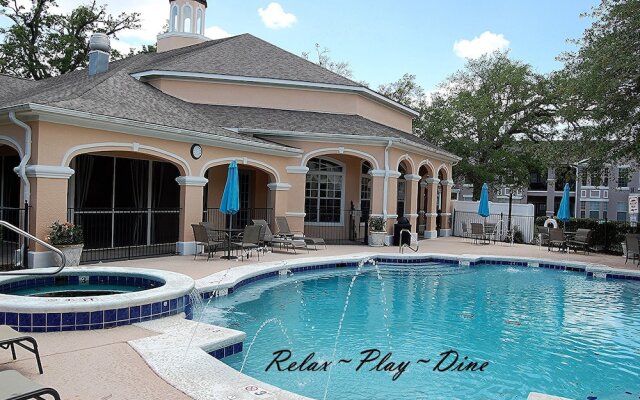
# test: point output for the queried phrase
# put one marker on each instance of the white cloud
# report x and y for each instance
(215, 32)
(275, 17)
(487, 42)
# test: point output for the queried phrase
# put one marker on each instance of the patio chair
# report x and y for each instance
(491, 231)
(14, 386)
(633, 247)
(9, 337)
(466, 233)
(284, 230)
(543, 235)
(269, 239)
(250, 241)
(477, 232)
(556, 239)
(581, 240)
(202, 237)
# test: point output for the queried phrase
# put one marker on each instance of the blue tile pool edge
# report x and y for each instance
(588, 269)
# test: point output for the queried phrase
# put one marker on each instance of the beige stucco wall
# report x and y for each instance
(282, 98)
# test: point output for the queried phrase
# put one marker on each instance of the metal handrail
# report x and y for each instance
(402, 245)
(43, 243)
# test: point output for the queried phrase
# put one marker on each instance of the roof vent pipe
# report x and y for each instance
(99, 51)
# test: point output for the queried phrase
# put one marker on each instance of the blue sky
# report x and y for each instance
(382, 40)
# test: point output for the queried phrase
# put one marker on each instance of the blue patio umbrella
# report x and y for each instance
(483, 207)
(230, 203)
(564, 214)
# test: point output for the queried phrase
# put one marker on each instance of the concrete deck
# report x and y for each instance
(102, 365)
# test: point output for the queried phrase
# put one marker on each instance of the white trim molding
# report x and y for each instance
(135, 147)
(295, 214)
(49, 171)
(394, 174)
(279, 186)
(244, 161)
(297, 169)
(412, 177)
(411, 215)
(328, 151)
(192, 181)
(412, 164)
(13, 143)
(432, 181)
(447, 182)
(377, 172)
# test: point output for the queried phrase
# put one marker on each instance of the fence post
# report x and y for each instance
(606, 239)
(453, 223)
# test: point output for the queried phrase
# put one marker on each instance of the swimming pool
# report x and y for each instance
(542, 330)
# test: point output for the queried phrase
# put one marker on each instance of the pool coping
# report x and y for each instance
(225, 282)
(175, 285)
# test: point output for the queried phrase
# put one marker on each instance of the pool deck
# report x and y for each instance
(102, 365)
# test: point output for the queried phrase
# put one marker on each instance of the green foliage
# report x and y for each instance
(601, 83)
(405, 91)
(376, 224)
(607, 236)
(493, 113)
(65, 234)
(41, 43)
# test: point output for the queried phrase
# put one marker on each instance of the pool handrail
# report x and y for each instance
(27, 235)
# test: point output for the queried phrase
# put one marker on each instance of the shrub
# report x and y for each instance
(65, 234)
(607, 235)
(376, 224)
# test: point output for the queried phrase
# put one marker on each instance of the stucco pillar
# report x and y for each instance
(288, 199)
(377, 193)
(432, 208)
(49, 186)
(422, 188)
(411, 201)
(446, 229)
(191, 209)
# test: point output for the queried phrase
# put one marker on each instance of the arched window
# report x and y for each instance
(402, 191)
(200, 22)
(187, 17)
(324, 191)
(174, 21)
(365, 189)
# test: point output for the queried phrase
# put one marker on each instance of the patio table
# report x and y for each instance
(229, 232)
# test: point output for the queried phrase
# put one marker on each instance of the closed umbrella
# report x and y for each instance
(483, 207)
(564, 214)
(230, 203)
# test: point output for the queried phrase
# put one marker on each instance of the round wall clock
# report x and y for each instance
(196, 151)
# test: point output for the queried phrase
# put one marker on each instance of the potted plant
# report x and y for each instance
(69, 239)
(377, 231)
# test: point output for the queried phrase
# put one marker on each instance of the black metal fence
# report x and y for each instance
(13, 247)
(115, 234)
(347, 227)
(521, 223)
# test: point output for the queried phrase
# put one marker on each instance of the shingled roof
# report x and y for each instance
(116, 93)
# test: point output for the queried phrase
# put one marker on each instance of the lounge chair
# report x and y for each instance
(202, 237)
(14, 386)
(250, 241)
(284, 230)
(556, 239)
(466, 233)
(581, 240)
(9, 337)
(269, 239)
(477, 232)
(633, 247)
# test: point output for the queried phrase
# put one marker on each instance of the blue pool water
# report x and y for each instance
(75, 290)
(540, 330)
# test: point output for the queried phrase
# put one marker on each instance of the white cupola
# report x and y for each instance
(186, 25)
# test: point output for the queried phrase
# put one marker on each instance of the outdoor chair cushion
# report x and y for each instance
(14, 386)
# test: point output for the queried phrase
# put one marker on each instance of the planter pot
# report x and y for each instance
(376, 239)
(72, 253)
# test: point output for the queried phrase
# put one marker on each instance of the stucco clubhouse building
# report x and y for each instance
(137, 150)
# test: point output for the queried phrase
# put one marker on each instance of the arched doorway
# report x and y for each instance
(255, 199)
(338, 198)
(128, 206)
(11, 209)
